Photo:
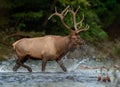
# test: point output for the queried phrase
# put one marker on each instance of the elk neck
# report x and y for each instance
(63, 45)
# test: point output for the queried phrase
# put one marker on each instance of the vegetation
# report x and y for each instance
(28, 18)
(116, 49)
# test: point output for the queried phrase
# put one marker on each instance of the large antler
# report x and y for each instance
(78, 25)
(62, 15)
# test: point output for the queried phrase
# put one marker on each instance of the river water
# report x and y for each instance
(82, 72)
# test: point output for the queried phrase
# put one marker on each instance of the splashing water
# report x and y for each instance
(52, 66)
(74, 67)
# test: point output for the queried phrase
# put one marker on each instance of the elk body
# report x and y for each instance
(49, 47)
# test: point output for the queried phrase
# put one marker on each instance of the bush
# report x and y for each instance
(116, 49)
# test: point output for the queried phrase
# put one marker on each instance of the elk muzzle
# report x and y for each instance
(81, 42)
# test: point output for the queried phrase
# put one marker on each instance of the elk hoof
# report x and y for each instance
(14, 69)
(65, 70)
(29, 69)
(43, 71)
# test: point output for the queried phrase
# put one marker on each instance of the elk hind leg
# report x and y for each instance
(25, 66)
(17, 65)
(20, 62)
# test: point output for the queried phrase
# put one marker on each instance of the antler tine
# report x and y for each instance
(77, 9)
(85, 29)
(55, 10)
(62, 15)
(80, 23)
(64, 12)
(74, 17)
(56, 13)
(51, 16)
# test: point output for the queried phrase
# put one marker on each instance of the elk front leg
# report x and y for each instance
(44, 61)
(22, 64)
(62, 65)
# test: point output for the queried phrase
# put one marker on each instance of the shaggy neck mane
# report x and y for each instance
(63, 45)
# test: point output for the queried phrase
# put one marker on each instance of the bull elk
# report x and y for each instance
(50, 47)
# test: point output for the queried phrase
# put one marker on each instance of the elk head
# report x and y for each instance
(77, 28)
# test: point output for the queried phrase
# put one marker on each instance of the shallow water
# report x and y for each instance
(80, 74)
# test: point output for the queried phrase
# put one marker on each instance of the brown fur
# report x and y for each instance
(46, 48)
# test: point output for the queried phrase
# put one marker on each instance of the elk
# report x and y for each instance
(50, 47)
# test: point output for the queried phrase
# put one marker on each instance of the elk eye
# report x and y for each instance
(76, 34)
